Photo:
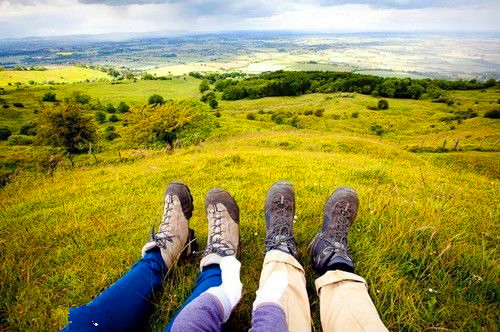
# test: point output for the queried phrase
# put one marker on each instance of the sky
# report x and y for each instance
(22, 18)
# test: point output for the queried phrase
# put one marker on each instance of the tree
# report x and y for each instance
(67, 126)
(155, 100)
(181, 122)
(5, 133)
(382, 104)
(123, 107)
(49, 96)
(204, 86)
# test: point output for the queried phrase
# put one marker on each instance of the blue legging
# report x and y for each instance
(127, 304)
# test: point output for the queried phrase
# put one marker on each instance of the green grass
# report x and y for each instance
(65, 74)
(425, 238)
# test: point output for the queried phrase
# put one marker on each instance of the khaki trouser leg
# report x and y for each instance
(294, 301)
(345, 304)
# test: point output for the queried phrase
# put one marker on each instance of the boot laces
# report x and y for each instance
(336, 235)
(217, 243)
(165, 232)
(281, 233)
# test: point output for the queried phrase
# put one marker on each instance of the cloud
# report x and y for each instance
(407, 4)
(63, 17)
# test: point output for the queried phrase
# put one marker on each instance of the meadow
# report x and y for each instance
(425, 238)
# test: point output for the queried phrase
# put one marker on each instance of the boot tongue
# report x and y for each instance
(283, 246)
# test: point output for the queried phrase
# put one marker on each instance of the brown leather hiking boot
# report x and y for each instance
(279, 210)
(174, 235)
(329, 250)
(223, 216)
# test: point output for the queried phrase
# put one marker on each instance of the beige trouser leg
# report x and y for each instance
(294, 301)
(345, 304)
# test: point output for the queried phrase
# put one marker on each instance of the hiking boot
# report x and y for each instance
(329, 249)
(174, 235)
(223, 216)
(279, 210)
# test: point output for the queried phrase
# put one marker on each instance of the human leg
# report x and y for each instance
(281, 255)
(345, 304)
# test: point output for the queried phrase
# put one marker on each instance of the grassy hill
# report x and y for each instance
(425, 238)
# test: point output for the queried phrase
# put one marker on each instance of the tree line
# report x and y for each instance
(293, 83)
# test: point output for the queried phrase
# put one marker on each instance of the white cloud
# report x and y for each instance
(63, 17)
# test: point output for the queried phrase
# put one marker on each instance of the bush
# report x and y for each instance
(28, 129)
(110, 108)
(16, 104)
(113, 118)
(67, 126)
(213, 103)
(308, 112)
(383, 104)
(110, 133)
(218, 114)
(5, 133)
(156, 100)
(204, 86)
(377, 129)
(251, 116)
(319, 112)
(354, 115)
(176, 122)
(100, 117)
(493, 114)
(49, 96)
(80, 98)
(20, 140)
(123, 107)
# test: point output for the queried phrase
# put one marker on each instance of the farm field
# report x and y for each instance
(425, 238)
(63, 74)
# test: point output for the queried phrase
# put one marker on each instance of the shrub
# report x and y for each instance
(100, 117)
(49, 96)
(354, 115)
(377, 129)
(5, 133)
(493, 114)
(80, 98)
(155, 100)
(308, 112)
(213, 103)
(218, 114)
(295, 122)
(110, 109)
(17, 104)
(182, 122)
(383, 104)
(204, 86)
(66, 126)
(113, 118)
(3, 92)
(250, 116)
(319, 112)
(110, 133)
(5, 106)
(123, 107)
(20, 140)
(29, 129)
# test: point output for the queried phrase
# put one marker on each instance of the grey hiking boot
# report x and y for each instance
(279, 210)
(329, 249)
(174, 235)
(223, 216)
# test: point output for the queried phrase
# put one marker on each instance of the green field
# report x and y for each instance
(66, 74)
(425, 238)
